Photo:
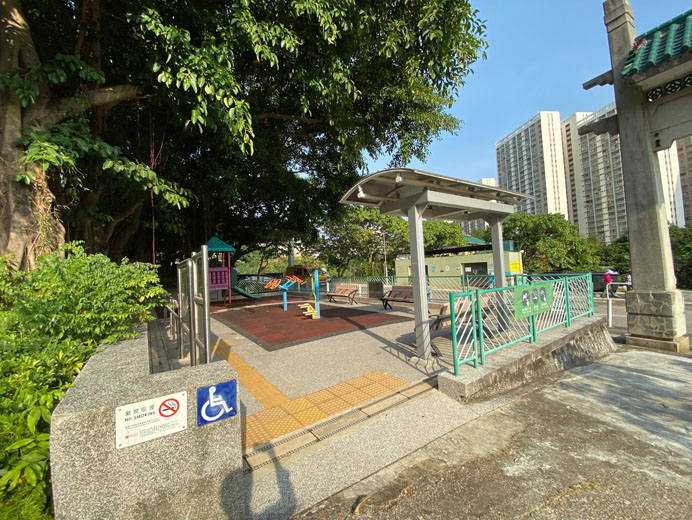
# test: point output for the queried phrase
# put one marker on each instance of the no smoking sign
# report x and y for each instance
(169, 408)
(146, 420)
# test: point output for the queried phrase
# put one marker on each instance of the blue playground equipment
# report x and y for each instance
(310, 310)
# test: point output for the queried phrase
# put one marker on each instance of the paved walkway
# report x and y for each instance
(612, 439)
(285, 390)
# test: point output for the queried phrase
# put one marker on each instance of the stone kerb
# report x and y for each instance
(194, 473)
(555, 351)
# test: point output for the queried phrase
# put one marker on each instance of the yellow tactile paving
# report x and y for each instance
(283, 426)
(319, 397)
(341, 389)
(255, 432)
(270, 414)
(296, 405)
(359, 382)
(310, 415)
(334, 406)
(266, 393)
(376, 389)
(282, 415)
(355, 398)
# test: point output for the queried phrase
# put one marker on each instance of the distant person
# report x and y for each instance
(628, 280)
(607, 280)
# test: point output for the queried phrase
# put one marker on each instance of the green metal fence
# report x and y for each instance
(495, 323)
(439, 287)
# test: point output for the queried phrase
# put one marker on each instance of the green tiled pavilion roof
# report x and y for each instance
(666, 42)
(216, 245)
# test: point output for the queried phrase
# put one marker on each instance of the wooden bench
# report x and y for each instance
(462, 305)
(344, 291)
(398, 293)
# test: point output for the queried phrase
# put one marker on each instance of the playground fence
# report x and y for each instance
(439, 287)
(490, 321)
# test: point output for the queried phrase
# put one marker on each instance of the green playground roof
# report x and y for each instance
(474, 240)
(665, 43)
(216, 245)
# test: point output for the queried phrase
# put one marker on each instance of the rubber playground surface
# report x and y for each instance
(273, 328)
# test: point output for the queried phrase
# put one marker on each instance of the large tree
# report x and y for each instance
(262, 111)
(549, 243)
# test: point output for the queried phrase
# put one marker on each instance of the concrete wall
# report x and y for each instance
(453, 265)
(194, 473)
(555, 351)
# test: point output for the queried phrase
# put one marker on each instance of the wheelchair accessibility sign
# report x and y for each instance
(216, 402)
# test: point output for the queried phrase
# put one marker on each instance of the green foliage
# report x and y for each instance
(615, 255)
(69, 143)
(549, 243)
(681, 242)
(265, 111)
(26, 81)
(439, 234)
(51, 320)
(359, 240)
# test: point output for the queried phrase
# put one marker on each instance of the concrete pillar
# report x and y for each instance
(655, 308)
(420, 296)
(498, 252)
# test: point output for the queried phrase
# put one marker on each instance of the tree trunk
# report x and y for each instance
(29, 225)
(26, 213)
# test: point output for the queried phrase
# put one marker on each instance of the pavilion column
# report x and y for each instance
(420, 293)
(498, 252)
(655, 309)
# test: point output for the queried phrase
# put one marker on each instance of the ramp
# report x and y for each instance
(298, 474)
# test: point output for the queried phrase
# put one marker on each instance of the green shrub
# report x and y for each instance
(52, 319)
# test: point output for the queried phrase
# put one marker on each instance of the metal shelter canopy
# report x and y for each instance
(448, 198)
(417, 194)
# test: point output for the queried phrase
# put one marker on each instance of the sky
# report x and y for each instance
(540, 52)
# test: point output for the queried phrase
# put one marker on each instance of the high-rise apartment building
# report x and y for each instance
(574, 181)
(473, 225)
(685, 162)
(530, 161)
(594, 176)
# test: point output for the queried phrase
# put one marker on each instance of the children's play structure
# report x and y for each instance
(224, 278)
(308, 309)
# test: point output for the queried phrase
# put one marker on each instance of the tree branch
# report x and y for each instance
(288, 117)
(119, 218)
(56, 112)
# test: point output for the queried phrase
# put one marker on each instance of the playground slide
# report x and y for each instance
(243, 293)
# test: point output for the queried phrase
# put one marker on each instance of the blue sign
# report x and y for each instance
(216, 402)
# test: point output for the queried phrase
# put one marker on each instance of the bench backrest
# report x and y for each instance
(445, 318)
(402, 292)
(345, 289)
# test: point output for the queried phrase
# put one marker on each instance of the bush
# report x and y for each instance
(52, 320)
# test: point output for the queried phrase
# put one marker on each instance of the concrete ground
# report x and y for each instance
(612, 439)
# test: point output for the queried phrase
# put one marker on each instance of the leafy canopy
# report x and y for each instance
(549, 243)
(237, 95)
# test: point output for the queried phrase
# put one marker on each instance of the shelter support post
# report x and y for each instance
(420, 300)
(655, 309)
(498, 252)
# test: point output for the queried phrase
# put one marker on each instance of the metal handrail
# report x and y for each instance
(609, 303)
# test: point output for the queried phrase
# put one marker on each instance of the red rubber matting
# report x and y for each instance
(273, 328)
